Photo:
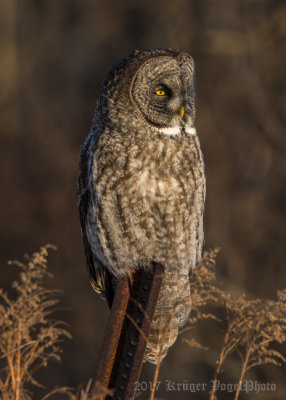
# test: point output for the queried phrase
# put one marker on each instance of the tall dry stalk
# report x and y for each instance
(253, 325)
(155, 379)
(226, 349)
(29, 337)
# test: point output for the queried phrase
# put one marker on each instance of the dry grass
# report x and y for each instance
(253, 325)
(30, 337)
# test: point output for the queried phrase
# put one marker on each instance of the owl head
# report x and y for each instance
(154, 88)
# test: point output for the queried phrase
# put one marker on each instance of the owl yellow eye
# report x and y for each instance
(160, 92)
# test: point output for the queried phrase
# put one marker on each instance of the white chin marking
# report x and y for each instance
(176, 130)
(173, 130)
(190, 130)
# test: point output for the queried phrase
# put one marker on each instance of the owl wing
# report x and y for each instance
(100, 278)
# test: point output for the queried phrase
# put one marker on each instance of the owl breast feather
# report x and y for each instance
(149, 198)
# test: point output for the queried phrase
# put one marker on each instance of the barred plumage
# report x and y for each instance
(142, 184)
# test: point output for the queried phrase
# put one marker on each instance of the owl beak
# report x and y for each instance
(182, 111)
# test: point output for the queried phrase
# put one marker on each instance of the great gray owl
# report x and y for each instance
(142, 184)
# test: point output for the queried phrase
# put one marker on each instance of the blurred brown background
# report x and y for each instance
(54, 55)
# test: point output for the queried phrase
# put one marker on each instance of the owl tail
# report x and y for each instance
(171, 313)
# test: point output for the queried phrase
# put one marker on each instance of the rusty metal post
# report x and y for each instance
(112, 334)
(127, 330)
(140, 312)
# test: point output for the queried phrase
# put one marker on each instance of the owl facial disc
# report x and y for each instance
(164, 96)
